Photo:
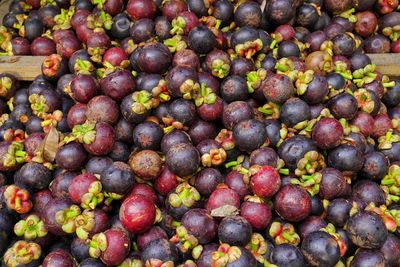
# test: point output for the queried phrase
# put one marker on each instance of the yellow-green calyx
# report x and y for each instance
(142, 102)
(270, 110)
(84, 223)
(93, 197)
(309, 182)
(103, 20)
(386, 141)
(187, 240)
(225, 254)
(5, 85)
(392, 32)
(311, 162)
(5, 42)
(83, 66)
(254, 79)
(189, 89)
(205, 96)
(258, 247)
(286, 66)
(365, 75)
(342, 68)
(21, 253)
(185, 195)
(30, 228)
(388, 219)
(17, 199)
(97, 245)
(15, 154)
(219, 68)
(178, 25)
(63, 20)
(83, 133)
(391, 184)
(303, 79)
(160, 92)
(284, 233)
(128, 262)
(38, 105)
(176, 43)
(66, 218)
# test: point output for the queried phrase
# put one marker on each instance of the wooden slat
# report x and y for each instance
(388, 64)
(26, 68)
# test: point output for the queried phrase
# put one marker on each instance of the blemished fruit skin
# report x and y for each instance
(218, 133)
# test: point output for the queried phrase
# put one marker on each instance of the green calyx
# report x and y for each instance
(187, 240)
(128, 262)
(225, 138)
(349, 14)
(30, 228)
(365, 75)
(83, 66)
(38, 105)
(5, 42)
(303, 79)
(63, 20)
(205, 96)
(185, 195)
(225, 255)
(5, 85)
(390, 184)
(386, 141)
(270, 110)
(392, 32)
(311, 162)
(93, 197)
(22, 253)
(178, 25)
(219, 68)
(109, 197)
(97, 245)
(100, 21)
(84, 223)
(258, 247)
(342, 68)
(99, 3)
(83, 133)
(175, 43)
(189, 89)
(309, 182)
(142, 102)
(249, 48)
(254, 79)
(283, 233)
(66, 218)
(286, 66)
(15, 154)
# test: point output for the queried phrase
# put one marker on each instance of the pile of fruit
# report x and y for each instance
(200, 133)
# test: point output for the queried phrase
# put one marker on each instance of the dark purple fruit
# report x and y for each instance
(320, 249)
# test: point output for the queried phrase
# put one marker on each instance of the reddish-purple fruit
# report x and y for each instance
(292, 203)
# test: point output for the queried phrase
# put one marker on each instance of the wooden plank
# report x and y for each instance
(26, 68)
(388, 64)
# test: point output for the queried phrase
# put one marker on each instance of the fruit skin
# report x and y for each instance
(320, 249)
(287, 255)
(327, 133)
(266, 182)
(200, 224)
(60, 258)
(183, 160)
(117, 178)
(235, 231)
(160, 249)
(249, 135)
(367, 230)
(365, 257)
(259, 215)
(137, 214)
(118, 246)
(294, 148)
(292, 203)
(104, 141)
